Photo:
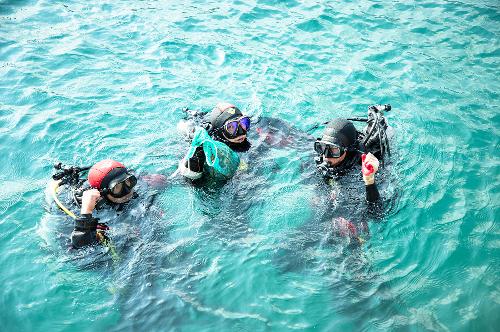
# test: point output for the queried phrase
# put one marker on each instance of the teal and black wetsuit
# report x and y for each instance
(196, 163)
(195, 167)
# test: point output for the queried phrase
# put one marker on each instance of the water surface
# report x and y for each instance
(80, 82)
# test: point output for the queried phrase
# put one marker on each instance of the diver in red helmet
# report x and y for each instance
(110, 182)
(109, 186)
(226, 124)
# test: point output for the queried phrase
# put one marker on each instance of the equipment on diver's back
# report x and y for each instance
(377, 126)
(69, 175)
(376, 139)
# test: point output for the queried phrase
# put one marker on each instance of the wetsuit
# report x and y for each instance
(343, 203)
(351, 160)
(87, 228)
(85, 231)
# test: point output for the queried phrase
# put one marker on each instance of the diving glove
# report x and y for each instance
(369, 166)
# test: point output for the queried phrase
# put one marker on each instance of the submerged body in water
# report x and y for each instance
(345, 197)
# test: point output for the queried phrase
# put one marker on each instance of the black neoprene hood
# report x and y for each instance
(218, 117)
(341, 132)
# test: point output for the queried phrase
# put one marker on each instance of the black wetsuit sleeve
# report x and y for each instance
(375, 202)
(84, 233)
(196, 162)
(240, 147)
(372, 194)
(192, 168)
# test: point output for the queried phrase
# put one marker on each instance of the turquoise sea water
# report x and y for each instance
(82, 81)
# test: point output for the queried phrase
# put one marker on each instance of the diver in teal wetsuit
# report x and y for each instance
(225, 124)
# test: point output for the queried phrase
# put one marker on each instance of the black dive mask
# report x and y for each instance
(237, 127)
(121, 186)
(329, 150)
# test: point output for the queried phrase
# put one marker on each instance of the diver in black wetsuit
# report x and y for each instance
(345, 195)
(226, 124)
(342, 148)
(110, 186)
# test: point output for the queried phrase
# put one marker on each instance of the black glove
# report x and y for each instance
(86, 223)
(196, 162)
(84, 233)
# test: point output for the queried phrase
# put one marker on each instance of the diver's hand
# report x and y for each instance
(186, 129)
(369, 166)
(102, 227)
(89, 200)
(199, 153)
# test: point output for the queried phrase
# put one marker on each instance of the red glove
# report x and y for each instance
(366, 168)
(369, 166)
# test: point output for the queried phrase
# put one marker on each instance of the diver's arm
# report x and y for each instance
(369, 165)
(192, 168)
(85, 232)
(372, 194)
(85, 229)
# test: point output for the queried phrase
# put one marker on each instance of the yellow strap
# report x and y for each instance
(54, 186)
(243, 166)
(54, 191)
(107, 243)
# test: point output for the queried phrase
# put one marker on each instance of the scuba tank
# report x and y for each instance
(68, 176)
(375, 138)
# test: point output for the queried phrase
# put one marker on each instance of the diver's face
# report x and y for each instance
(239, 139)
(335, 161)
(123, 199)
(235, 130)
